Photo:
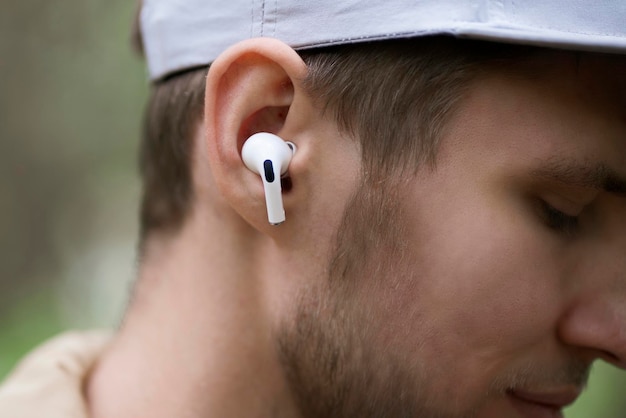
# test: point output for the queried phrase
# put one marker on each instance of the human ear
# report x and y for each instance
(250, 88)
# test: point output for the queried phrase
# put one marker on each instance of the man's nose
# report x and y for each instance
(597, 325)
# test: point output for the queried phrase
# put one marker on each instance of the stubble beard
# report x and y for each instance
(334, 364)
(331, 361)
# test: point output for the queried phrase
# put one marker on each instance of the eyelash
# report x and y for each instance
(558, 220)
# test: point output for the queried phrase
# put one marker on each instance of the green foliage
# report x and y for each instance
(605, 397)
(26, 326)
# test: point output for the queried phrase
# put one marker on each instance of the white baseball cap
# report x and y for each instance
(182, 34)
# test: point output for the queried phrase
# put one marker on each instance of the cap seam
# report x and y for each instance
(409, 34)
(262, 17)
(251, 18)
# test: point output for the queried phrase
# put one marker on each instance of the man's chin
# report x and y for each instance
(334, 373)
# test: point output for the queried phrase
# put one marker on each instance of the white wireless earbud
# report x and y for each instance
(269, 156)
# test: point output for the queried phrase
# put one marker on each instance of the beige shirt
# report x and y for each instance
(49, 381)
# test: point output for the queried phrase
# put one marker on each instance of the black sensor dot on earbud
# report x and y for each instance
(269, 171)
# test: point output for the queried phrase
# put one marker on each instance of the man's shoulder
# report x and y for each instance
(51, 377)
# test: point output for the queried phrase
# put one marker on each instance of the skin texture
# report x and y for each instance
(480, 284)
(441, 293)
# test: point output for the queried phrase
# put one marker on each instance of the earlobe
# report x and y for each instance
(250, 88)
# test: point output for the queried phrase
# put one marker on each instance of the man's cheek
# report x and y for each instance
(491, 283)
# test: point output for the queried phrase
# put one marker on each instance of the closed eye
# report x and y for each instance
(559, 221)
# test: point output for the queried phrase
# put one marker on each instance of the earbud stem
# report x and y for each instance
(273, 193)
(268, 155)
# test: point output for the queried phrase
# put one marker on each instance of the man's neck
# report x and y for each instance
(198, 338)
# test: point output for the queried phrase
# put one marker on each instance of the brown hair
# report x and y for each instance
(393, 96)
(174, 107)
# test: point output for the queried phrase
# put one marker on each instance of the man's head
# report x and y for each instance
(455, 232)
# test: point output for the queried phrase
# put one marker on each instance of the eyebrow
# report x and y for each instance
(598, 176)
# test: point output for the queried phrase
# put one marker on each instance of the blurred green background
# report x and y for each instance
(71, 100)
